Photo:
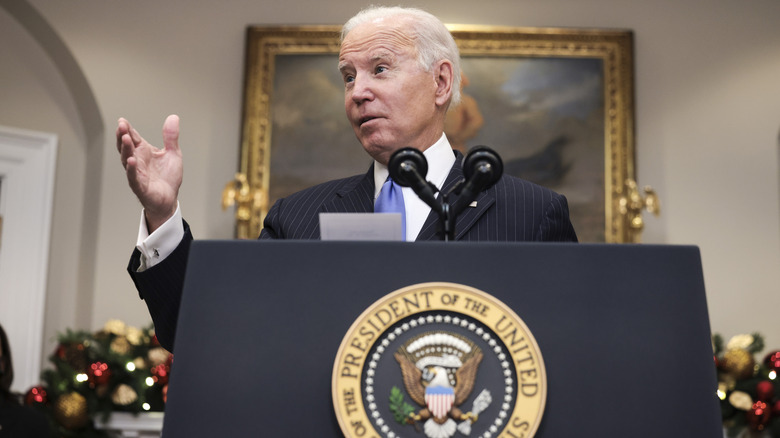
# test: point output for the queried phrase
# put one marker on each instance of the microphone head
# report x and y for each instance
(478, 158)
(404, 162)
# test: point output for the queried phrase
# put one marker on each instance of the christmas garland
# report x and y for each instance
(116, 369)
(124, 369)
(748, 390)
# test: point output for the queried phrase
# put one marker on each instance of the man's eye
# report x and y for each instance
(348, 79)
(380, 69)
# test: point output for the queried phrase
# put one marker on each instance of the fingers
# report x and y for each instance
(121, 129)
(137, 139)
(124, 127)
(124, 141)
(171, 133)
(132, 175)
(128, 139)
(125, 145)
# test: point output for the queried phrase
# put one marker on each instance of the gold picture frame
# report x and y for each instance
(285, 99)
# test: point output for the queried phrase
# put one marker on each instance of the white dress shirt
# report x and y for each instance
(160, 244)
(440, 160)
(155, 247)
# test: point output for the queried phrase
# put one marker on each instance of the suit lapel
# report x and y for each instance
(471, 215)
(468, 217)
(355, 197)
(358, 197)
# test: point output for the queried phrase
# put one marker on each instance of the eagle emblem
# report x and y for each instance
(439, 370)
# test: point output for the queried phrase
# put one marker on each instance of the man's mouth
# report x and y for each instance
(366, 119)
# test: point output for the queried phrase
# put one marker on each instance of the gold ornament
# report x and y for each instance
(135, 336)
(70, 410)
(741, 400)
(158, 356)
(739, 363)
(139, 363)
(120, 345)
(116, 327)
(124, 395)
(740, 342)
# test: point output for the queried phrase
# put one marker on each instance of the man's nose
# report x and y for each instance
(362, 89)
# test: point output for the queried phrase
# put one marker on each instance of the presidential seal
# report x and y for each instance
(439, 360)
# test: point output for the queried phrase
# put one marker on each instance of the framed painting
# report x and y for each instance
(556, 104)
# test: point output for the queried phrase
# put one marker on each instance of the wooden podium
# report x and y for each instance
(623, 330)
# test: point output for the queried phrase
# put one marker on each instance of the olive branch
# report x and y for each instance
(398, 406)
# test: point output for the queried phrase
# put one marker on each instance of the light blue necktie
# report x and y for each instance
(391, 200)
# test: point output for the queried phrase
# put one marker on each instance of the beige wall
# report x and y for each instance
(707, 111)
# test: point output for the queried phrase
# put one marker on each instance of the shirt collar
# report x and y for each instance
(440, 160)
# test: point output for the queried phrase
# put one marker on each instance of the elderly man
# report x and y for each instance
(401, 72)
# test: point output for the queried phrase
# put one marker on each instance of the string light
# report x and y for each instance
(146, 406)
(130, 366)
(149, 381)
(81, 377)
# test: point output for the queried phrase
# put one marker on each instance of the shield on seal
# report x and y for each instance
(439, 400)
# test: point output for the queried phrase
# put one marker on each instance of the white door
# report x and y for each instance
(27, 165)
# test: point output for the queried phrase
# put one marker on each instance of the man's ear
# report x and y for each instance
(444, 80)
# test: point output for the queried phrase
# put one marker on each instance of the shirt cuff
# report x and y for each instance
(155, 247)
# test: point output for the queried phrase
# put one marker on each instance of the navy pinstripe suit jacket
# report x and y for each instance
(512, 210)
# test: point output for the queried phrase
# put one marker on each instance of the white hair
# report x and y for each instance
(433, 40)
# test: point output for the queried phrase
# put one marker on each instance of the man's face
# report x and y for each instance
(390, 100)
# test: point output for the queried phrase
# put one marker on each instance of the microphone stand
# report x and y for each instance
(465, 189)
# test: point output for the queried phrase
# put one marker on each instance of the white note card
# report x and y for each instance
(361, 226)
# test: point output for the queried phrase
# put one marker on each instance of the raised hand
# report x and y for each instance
(154, 175)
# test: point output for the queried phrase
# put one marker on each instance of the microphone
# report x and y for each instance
(408, 168)
(483, 161)
(482, 168)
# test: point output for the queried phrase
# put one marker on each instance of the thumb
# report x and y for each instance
(171, 132)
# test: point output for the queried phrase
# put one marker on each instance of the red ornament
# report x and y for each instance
(160, 373)
(98, 374)
(758, 416)
(36, 395)
(772, 361)
(165, 394)
(765, 391)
